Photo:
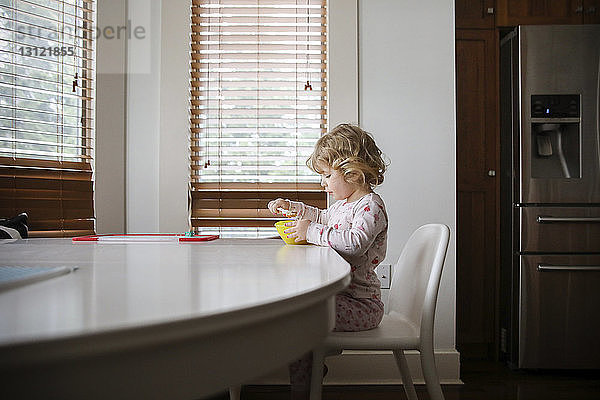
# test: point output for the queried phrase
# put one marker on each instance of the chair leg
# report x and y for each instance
(316, 379)
(407, 381)
(430, 374)
(234, 392)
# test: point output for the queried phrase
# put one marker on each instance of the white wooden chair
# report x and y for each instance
(409, 323)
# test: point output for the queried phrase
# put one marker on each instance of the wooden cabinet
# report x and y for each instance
(478, 154)
(477, 191)
(547, 12)
(475, 14)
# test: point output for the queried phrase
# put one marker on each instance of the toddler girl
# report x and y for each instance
(355, 226)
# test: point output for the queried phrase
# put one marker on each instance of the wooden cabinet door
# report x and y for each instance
(477, 14)
(539, 12)
(591, 12)
(477, 188)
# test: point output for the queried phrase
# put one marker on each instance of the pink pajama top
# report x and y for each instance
(358, 232)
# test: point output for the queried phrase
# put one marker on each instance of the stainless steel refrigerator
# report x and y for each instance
(550, 197)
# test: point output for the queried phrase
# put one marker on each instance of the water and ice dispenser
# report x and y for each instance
(556, 138)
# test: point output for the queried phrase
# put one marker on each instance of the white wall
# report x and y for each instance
(109, 191)
(143, 118)
(342, 61)
(406, 92)
(174, 158)
(157, 117)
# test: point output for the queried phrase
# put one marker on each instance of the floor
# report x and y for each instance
(482, 380)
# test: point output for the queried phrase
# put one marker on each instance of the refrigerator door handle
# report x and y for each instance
(545, 219)
(550, 267)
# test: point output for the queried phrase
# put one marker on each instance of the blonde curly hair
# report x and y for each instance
(351, 151)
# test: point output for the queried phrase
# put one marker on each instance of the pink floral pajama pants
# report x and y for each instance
(351, 314)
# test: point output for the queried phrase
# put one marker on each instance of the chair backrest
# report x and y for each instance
(416, 276)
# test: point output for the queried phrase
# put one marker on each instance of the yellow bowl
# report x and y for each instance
(280, 225)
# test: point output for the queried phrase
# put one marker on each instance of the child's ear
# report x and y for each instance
(349, 175)
(353, 177)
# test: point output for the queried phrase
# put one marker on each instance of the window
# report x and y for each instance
(46, 114)
(258, 105)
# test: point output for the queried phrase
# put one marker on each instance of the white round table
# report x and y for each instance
(161, 320)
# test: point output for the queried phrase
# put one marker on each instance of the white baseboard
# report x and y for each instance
(375, 368)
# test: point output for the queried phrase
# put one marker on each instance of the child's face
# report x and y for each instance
(333, 182)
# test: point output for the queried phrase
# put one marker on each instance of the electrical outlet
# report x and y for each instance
(384, 273)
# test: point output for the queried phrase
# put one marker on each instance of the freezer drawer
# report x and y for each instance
(558, 320)
(560, 229)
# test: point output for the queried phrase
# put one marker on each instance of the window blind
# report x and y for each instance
(46, 114)
(258, 105)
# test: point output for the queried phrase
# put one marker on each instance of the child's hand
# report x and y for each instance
(278, 203)
(298, 229)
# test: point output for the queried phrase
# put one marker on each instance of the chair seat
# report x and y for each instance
(394, 332)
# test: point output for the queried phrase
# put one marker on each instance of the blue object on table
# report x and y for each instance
(13, 276)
